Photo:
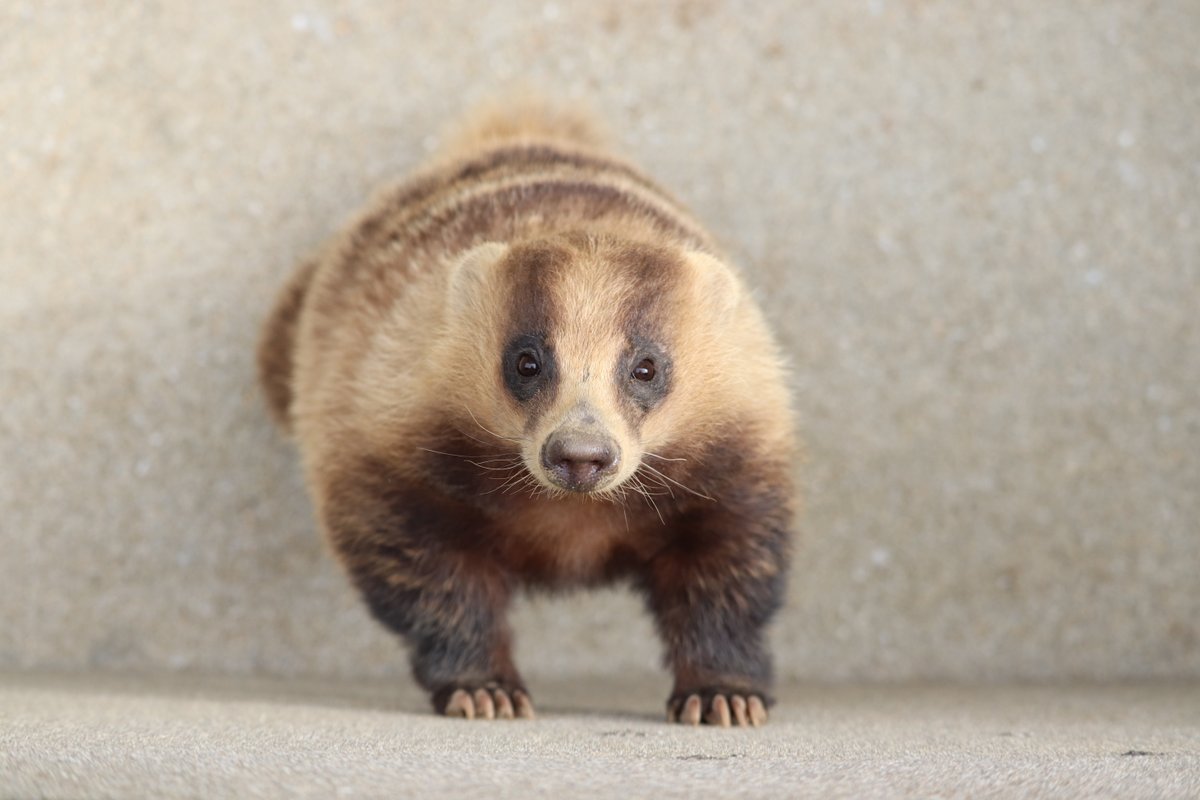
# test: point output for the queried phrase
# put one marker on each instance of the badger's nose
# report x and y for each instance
(578, 461)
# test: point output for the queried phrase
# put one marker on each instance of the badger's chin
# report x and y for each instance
(587, 488)
(603, 487)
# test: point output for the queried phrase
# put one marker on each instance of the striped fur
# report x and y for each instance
(386, 357)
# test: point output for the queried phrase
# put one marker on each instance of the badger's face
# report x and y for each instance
(581, 342)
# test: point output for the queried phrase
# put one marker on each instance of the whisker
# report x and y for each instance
(546, 491)
(663, 458)
(645, 493)
(505, 468)
(513, 486)
(527, 483)
(657, 510)
(514, 478)
(477, 439)
(485, 430)
(466, 455)
(615, 494)
(660, 483)
(677, 483)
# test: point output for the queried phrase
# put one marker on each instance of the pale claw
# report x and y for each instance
(718, 712)
(504, 707)
(460, 705)
(690, 715)
(484, 707)
(738, 704)
(757, 712)
(522, 705)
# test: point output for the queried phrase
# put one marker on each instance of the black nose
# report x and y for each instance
(578, 461)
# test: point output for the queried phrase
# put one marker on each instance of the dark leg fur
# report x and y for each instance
(456, 633)
(402, 547)
(712, 594)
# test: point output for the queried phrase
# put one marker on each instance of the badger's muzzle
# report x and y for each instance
(579, 461)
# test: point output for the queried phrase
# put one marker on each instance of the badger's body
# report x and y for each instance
(529, 367)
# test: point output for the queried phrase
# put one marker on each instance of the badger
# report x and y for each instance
(528, 367)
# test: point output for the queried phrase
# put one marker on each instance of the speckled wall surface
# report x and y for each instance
(975, 225)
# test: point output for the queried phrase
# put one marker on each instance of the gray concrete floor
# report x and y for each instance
(108, 736)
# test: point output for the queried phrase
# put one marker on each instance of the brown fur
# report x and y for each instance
(385, 356)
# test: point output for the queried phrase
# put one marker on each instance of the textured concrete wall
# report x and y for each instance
(976, 226)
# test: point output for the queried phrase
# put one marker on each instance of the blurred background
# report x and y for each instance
(976, 227)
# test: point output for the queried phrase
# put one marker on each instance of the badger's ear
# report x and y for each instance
(718, 288)
(470, 275)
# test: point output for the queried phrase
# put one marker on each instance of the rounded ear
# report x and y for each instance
(718, 287)
(469, 275)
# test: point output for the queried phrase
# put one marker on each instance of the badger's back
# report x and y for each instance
(512, 173)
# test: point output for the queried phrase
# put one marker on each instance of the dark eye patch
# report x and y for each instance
(528, 366)
(645, 374)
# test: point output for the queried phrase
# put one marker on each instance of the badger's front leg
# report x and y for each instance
(712, 593)
(418, 560)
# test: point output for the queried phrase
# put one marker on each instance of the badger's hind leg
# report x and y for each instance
(449, 601)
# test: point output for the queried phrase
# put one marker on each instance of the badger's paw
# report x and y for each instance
(489, 701)
(720, 707)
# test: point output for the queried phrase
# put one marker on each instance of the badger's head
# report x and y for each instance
(590, 355)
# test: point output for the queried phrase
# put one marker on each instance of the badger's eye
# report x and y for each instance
(644, 371)
(527, 366)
